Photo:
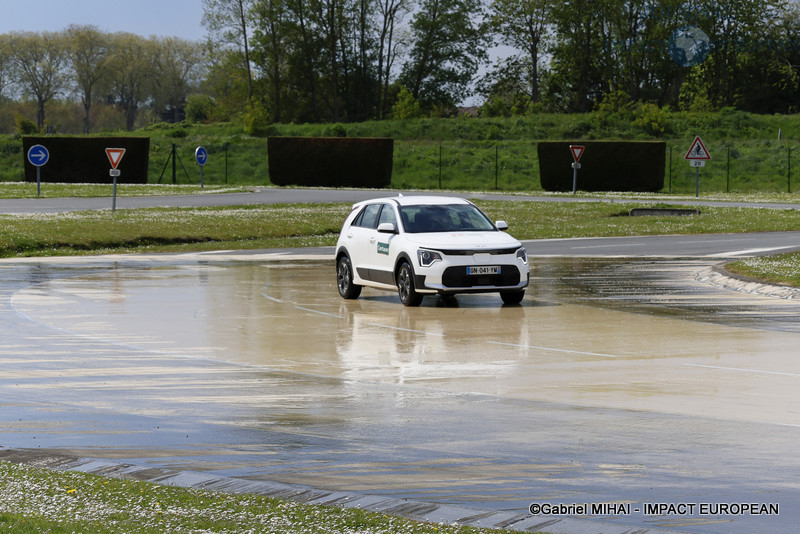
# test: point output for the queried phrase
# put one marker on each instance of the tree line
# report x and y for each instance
(352, 60)
(86, 66)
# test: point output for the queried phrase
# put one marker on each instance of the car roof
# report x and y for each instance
(416, 200)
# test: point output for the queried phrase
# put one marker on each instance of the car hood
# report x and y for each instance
(463, 240)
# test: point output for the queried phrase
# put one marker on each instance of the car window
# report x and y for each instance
(368, 218)
(445, 218)
(387, 216)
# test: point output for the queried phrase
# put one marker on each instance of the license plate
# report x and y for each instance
(484, 270)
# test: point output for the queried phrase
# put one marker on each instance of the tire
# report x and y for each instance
(512, 297)
(344, 279)
(405, 286)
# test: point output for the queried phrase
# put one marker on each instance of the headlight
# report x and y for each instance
(428, 257)
(522, 255)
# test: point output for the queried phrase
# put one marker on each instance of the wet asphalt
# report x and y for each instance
(628, 392)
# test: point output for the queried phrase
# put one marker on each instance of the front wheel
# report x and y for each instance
(405, 286)
(512, 297)
(344, 279)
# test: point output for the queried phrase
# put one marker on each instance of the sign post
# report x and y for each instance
(38, 156)
(577, 152)
(201, 156)
(697, 156)
(114, 157)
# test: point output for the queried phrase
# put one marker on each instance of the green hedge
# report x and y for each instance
(330, 161)
(605, 165)
(83, 159)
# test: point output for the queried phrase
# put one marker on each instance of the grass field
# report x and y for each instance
(483, 153)
(777, 269)
(35, 500)
(277, 226)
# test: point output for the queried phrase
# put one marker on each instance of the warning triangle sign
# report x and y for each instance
(577, 152)
(697, 151)
(115, 156)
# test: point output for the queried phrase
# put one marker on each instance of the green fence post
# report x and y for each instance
(440, 165)
(496, 164)
(789, 171)
(728, 173)
(670, 169)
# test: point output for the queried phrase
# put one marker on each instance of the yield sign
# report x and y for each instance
(698, 151)
(115, 156)
(577, 152)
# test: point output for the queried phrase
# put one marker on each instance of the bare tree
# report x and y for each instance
(392, 13)
(226, 21)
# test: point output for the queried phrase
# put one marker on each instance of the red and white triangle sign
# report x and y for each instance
(577, 152)
(698, 151)
(115, 156)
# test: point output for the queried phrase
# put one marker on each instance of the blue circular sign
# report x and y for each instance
(201, 155)
(38, 155)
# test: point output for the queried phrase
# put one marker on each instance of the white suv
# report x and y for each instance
(421, 245)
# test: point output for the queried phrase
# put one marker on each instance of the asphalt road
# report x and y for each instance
(717, 245)
(284, 195)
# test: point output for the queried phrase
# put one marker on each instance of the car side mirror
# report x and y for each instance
(387, 228)
(501, 225)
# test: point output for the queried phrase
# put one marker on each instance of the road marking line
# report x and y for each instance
(741, 370)
(379, 325)
(551, 349)
(746, 252)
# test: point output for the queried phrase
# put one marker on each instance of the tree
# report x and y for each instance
(39, 62)
(523, 24)
(303, 59)
(392, 13)
(738, 31)
(227, 21)
(578, 75)
(133, 73)
(88, 48)
(5, 62)
(227, 81)
(176, 65)
(269, 50)
(361, 87)
(449, 44)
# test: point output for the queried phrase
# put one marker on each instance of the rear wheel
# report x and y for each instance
(405, 286)
(512, 297)
(344, 279)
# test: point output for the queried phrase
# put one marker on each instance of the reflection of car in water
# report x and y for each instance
(428, 245)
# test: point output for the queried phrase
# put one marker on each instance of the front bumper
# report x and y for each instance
(446, 277)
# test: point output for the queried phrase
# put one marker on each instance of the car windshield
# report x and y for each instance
(444, 218)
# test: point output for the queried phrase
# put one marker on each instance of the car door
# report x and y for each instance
(385, 247)
(361, 238)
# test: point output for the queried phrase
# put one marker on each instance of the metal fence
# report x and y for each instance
(749, 166)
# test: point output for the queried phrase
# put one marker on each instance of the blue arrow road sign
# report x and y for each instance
(201, 155)
(38, 155)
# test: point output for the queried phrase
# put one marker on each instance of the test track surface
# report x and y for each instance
(623, 378)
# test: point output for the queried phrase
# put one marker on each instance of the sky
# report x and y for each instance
(163, 18)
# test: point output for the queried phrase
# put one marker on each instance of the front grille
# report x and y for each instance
(458, 277)
(470, 252)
